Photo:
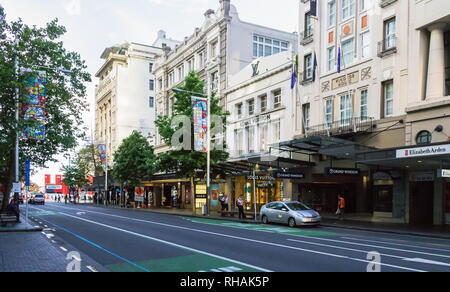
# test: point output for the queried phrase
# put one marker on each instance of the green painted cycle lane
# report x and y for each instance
(265, 228)
(191, 263)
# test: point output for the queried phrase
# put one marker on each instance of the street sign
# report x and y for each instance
(27, 171)
(16, 188)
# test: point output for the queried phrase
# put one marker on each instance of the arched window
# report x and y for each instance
(424, 138)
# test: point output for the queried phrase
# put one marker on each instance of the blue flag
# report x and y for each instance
(339, 60)
(313, 10)
(294, 76)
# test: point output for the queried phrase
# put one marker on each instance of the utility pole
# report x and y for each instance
(16, 69)
(106, 172)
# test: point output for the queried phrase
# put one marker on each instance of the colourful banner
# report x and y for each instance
(200, 124)
(33, 108)
(103, 156)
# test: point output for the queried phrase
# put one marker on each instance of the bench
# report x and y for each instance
(7, 217)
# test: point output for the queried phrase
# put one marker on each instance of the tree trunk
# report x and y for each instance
(9, 181)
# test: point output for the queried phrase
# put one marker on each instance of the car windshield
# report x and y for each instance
(297, 207)
(39, 196)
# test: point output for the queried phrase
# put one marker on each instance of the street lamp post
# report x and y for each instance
(208, 138)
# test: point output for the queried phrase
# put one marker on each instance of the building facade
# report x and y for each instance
(374, 86)
(125, 95)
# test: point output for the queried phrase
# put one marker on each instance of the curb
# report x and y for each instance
(185, 215)
(398, 232)
(37, 229)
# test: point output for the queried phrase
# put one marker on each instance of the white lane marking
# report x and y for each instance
(343, 248)
(230, 269)
(169, 243)
(234, 237)
(50, 235)
(81, 213)
(425, 261)
(92, 269)
(398, 244)
(63, 249)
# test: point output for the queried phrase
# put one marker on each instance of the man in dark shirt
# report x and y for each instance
(13, 208)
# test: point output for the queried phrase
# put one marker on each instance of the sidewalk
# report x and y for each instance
(30, 252)
(20, 227)
(355, 223)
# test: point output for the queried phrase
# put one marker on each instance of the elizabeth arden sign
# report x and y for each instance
(423, 151)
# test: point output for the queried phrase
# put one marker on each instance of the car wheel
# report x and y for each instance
(292, 223)
(265, 220)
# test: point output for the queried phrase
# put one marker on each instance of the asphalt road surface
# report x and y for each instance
(124, 240)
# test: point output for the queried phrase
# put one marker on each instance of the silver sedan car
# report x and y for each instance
(291, 213)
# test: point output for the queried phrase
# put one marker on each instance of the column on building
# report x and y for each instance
(436, 62)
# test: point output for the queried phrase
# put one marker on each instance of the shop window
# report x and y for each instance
(424, 138)
(384, 195)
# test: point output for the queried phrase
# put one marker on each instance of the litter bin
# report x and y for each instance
(204, 210)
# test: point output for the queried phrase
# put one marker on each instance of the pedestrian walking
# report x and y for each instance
(341, 207)
(240, 203)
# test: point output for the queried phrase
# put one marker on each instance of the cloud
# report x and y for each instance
(72, 7)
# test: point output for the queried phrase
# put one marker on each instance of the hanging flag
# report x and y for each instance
(339, 61)
(313, 10)
(294, 75)
(200, 124)
(103, 155)
(315, 67)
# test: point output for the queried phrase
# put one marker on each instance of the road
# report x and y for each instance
(124, 240)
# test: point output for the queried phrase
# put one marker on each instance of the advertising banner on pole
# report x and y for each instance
(200, 124)
(102, 153)
(27, 172)
(33, 108)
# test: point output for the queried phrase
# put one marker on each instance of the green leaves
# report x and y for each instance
(186, 162)
(134, 161)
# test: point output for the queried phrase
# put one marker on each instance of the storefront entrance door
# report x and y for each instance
(421, 203)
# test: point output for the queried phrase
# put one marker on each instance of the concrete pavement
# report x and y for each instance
(119, 240)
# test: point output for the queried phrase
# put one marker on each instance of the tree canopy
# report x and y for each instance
(186, 162)
(38, 48)
(134, 160)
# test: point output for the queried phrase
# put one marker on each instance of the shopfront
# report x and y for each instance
(168, 193)
(415, 185)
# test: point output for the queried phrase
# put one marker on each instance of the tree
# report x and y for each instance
(37, 48)
(186, 162)
(134, 160)
(75, 176)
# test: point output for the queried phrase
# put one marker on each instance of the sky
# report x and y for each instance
(93, 25)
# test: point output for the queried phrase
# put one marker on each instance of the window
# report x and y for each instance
(348, 51)
(389, 34)
(277, 99)
(251, 107)
(191, 65)
(160, 84)
(364, 104)
(201, 60)
(263, 46)
(306, 116)
(331, 13)
(238, 134)
(151, 102)
(263, 134)
(180, 73)
(365, 45)
(150, 67)
(308, 67)
(214, 81)
(239, 110)
(251, 139)
(263, 103)
(388, 88)
(363, 5)
(308, 25)
(331, 59)
(276, 134)
(346, 109)
(424, 138)
(329, 112)
(152, 84)
(348, 8)
(213, 50)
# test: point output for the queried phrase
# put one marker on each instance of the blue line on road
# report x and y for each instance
(98, 246)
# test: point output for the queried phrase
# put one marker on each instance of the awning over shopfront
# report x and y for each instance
(433, 156)
(263, 163)
(325, 145)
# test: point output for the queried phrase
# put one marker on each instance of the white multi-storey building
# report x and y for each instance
(375, 85)
(221, 47)
(125, 95)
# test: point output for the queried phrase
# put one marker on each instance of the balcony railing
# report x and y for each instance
(387, 47)
(307, 36)
(385, 3)
(343, 127)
